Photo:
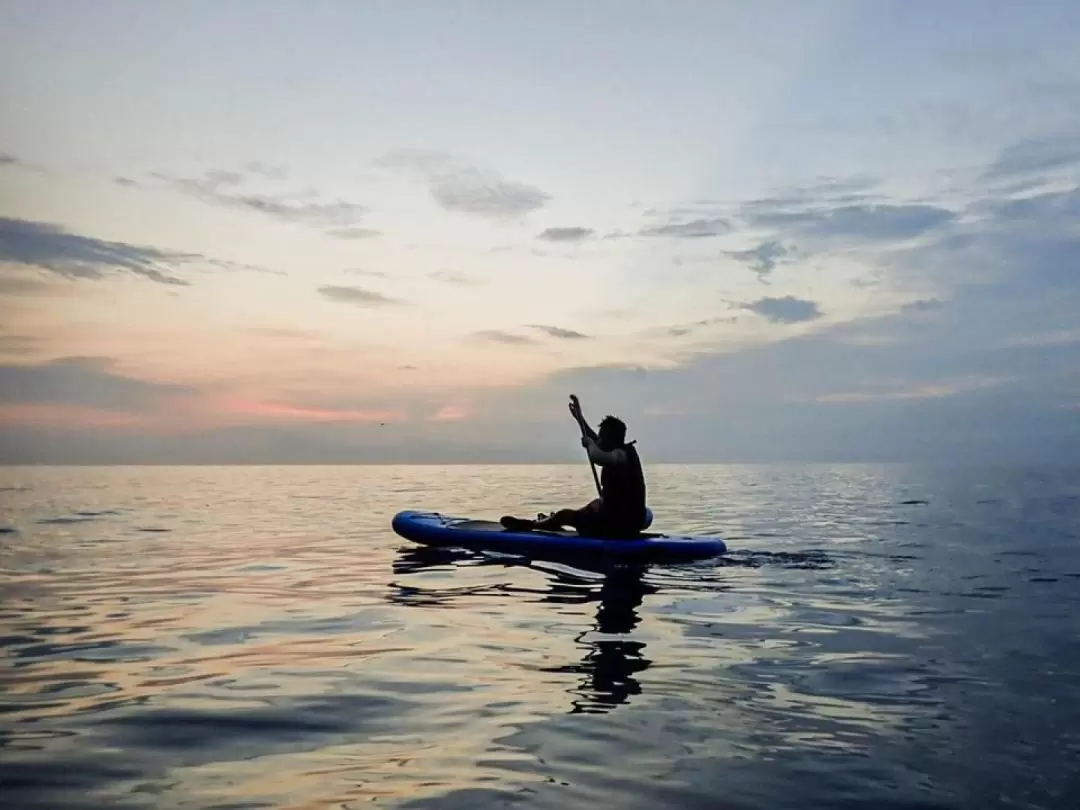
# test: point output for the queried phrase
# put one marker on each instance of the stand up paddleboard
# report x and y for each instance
(434, 529)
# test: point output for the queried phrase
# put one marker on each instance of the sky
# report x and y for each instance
(405, 232)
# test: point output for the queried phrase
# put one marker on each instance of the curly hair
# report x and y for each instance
(613, 427)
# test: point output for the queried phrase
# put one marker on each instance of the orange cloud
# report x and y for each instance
(283, 411)
(183, 414)
(448, 413)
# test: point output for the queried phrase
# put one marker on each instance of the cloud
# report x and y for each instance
(946, 388)
(225, 264)
(499, 336)
(221, 187)
(285, 333)
(12, 285)
(937, 390)
(923, 305)
(567, 234)
(459, 186)
(18, 345)
(259, 410)
(683, 329)
(268, 170)
(357, 296)
(1059, 337)
(559, 332)
(763, 259)
(1016, 247)
(1035, 156)
(87, 414)
(693, 229)
(362, 271)
(338, 213)
(449, 413)
(853, 223)
(454, 277)
(10, 161)
(353, 233)
(427, 161)
(81, 381)
(486, 195)
(785, 310)
(49, 247)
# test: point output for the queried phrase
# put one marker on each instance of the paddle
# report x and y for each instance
(575, 409)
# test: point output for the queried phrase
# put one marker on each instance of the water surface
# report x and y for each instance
(879, 636)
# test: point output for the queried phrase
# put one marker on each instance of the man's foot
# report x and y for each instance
(516, 524)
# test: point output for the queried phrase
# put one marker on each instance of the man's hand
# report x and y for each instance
(575, 408)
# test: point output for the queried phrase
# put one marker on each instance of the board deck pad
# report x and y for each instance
(435, 529)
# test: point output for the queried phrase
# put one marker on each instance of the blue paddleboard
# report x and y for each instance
(434, 529)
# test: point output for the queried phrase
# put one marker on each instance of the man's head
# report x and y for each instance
(612, 433)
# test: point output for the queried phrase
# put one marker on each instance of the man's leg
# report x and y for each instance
(556, 521)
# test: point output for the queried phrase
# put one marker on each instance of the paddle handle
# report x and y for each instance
(577, 410)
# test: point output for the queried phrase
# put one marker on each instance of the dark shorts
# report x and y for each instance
(592, 522)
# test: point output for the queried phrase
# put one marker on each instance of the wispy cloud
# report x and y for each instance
(449, 413)
(853, 223)
(566, 234)
(1059, 337)
(83, 381)
(761, 260)
(923, 305)
(785, 310)
(285, 333)
(49, 247)
(923, 391)
(259, 410)
(87, 392)
(701, 228)
(358, 296)
(459, 186)
(1035, 156)
(271, 171)
(223, 187)
(10, 161)
(683, 329)
(15, 345)
(454, 277)
(559, 332)
(20, 285)
(499, 336)
(487, 195)
(366, 272)
(353, 233)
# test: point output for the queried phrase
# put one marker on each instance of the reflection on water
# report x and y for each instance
(256, 637)
(607, 667)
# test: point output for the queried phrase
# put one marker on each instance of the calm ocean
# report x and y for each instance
(210, 637)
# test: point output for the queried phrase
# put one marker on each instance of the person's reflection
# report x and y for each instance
(609, 665)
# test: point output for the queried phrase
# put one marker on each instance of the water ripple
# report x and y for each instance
(887, 637)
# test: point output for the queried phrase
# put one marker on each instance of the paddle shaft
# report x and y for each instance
(581, 425)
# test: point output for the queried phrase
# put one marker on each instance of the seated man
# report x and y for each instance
(620, 509)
